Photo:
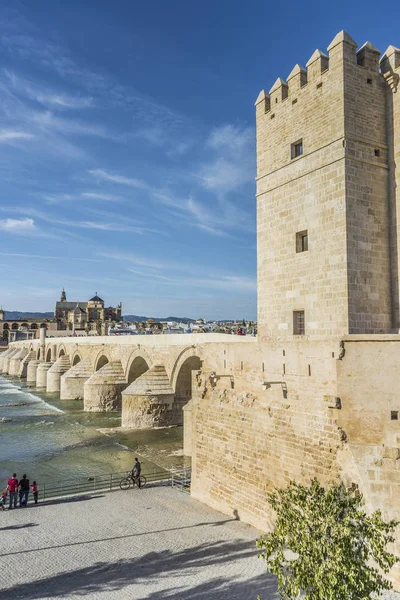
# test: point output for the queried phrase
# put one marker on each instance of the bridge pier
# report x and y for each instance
(102, 391)
(61, 366)
(3, 357)
(41, 374)
(148, 401)
(72, 382)
(15, 362)
(23, 367)
(6, 360)
(31, 370)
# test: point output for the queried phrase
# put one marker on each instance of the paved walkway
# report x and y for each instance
(154, 543)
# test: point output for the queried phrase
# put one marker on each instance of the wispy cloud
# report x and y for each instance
(233, 165)
(11, 135)
(49, 257)
(103, 175)
(29, 223)
(101, 196)
(18, 226)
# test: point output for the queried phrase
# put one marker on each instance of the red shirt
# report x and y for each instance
(34, 487)
(12, 484)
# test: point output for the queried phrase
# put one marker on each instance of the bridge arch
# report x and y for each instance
(43, 325)
(34, 326)
(102, 359)
(61, 351)
(14, 326)
(76, 359)
(183, 383)
(48, 354)
(188, 352)
(38, 353)
(137, 368)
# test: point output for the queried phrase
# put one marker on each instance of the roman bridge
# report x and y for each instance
(149, 378)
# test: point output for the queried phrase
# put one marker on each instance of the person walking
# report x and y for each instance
(23, 491)
(136, 470)
(12, 484)
(35, 492)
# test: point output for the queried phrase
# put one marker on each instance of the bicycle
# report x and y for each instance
(126, 482)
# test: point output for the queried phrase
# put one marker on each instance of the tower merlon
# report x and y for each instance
(262, 103)
(341, 48)
(279, 91)
(317, 64)
(368, 56)
(390, 63)
(297, 78)
(390, 60)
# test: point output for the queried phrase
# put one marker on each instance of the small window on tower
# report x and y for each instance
(296, 149)
(302, 241)
(298, 322)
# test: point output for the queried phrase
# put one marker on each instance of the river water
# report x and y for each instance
(51, 439)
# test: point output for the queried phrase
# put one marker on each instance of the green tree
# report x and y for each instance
(324, 546)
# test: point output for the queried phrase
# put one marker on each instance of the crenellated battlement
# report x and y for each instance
(342, 54)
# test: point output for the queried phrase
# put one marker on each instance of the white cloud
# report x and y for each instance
(48, 121)
(120, 179)
(101, 196)
(8, 135)
(49, 257)
(233, 165)
(64, 101)
(19, 226)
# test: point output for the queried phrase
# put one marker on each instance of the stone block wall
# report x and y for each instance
(342, 111)
(245, 447)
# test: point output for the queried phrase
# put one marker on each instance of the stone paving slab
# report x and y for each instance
(154, 543)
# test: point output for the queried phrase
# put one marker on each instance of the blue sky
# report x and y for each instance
(127, 151)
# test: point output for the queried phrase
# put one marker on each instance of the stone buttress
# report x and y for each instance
(23, 367)
(102, 391)
(148, 401)
(15, 362)
(7, 359)
(72, 382)
(41, 374)
(61, 366)
(31, 371)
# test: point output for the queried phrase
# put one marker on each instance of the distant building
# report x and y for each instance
(87, 315)
(24, 328)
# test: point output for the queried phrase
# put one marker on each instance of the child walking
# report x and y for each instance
(3, 498)
(35, 492)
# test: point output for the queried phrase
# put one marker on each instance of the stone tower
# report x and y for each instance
(63, 297)
(327, 140)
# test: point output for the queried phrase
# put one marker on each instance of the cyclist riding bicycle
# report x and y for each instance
(136, 469)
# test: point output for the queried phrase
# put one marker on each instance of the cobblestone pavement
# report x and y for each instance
(154, 543)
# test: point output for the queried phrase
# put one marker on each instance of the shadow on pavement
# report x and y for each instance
(81, 498)
(18, 526)
(161, 568)
(111, 539)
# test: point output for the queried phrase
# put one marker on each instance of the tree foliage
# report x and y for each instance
(325, 546)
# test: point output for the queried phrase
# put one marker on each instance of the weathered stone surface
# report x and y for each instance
(15, 362)
(148, 401)
(41, 374)
(60, 367)
(72, 382)
(102, 391)
(31, 371)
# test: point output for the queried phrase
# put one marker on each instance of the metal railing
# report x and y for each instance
(110, 482)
